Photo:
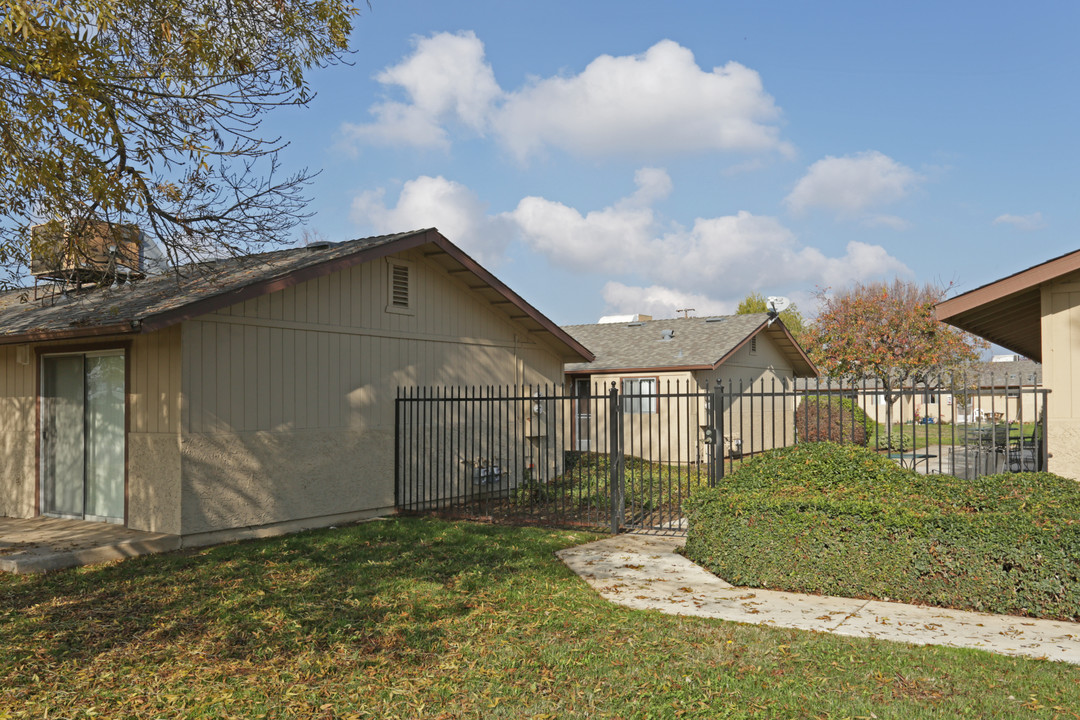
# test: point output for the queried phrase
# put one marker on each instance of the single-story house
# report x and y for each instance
(648, 359)
(252, 394)
(1036, 313)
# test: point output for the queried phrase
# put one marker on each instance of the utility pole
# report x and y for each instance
(686, 312)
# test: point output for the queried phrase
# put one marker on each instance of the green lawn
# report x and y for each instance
(920, 436)
(420, 618)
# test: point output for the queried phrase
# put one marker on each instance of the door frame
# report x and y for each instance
(76, 349)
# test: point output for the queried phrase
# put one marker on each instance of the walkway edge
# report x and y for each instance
(645, 572)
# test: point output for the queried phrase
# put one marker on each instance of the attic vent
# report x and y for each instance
(753, 345)
(399, 287)
(635, 324)
(667, 334)
(716, 319)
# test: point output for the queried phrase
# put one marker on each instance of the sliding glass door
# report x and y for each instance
(82, 435)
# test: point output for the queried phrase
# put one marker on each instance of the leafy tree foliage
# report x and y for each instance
(148, 112)
(792, 318)
(887, 333)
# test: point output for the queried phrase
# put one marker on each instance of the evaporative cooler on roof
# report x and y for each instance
(101, 249)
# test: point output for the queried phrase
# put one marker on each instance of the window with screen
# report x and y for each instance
(639, 396)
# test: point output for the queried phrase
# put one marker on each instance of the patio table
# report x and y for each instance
(911, 460)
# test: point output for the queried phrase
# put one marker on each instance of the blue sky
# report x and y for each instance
(620, 157)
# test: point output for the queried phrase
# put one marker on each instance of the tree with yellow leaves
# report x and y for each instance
(148, 112)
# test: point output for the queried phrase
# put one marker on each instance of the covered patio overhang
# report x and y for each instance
(1008, 312)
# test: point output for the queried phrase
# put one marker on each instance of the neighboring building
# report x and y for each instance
(649, 359)
(999, 391)
(255, 394)
(1036, 313)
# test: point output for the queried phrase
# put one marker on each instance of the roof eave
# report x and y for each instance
(580, 353)
(653, 368)
(127, 327)
(1008, 312)
(149, 322)
(1010, 285)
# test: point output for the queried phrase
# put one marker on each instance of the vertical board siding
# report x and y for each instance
(337, 357)
(17, 401)
(154, 377)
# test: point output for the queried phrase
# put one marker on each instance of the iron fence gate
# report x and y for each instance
(607, 458)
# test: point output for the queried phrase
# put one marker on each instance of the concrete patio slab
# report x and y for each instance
(41, 544)
(645, 572)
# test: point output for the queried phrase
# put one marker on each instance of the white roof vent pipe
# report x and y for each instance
(666, 335)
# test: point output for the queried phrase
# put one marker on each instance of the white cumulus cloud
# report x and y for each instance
(719, 257)
(647, 261)
(437, 202)
(852, 184)
(613, 238)
(659, 101)
(447, 79)
(1034, 221)
(643, 105)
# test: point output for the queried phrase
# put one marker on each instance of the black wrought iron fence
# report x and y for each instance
(594, 456)
(626, 455)
(965, 424)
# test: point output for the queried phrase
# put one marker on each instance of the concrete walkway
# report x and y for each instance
(40, 544)
(645, 572)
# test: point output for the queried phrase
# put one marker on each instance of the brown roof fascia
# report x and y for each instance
(655, 368)
(265, 287)
(1017, 282)
(476, 269)
(124, 328)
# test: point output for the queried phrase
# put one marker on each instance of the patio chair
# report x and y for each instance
(1023, 451)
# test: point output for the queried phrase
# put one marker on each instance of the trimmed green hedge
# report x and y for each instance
(835, 419)
(842, 520)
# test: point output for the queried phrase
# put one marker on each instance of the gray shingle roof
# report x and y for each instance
(26, 311)
(695, 342)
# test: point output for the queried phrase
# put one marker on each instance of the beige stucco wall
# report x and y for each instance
(1061, 356)
(289, 398)
(233, 480)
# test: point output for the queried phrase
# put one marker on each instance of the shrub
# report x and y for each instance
(829, 418)
(842, 520)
